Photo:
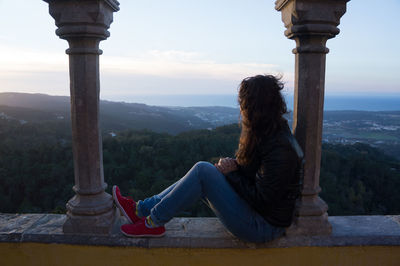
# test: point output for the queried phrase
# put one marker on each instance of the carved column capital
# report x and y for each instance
(311, 23)
(79, 20)
(83, 18)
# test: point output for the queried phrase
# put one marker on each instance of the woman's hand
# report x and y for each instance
(226, 165)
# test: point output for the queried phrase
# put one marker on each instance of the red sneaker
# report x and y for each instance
(126, 205)
(140, 229)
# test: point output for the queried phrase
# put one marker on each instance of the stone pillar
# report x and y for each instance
(310, 23)
(84, 23)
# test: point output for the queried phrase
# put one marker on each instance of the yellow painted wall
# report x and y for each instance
(66, 255)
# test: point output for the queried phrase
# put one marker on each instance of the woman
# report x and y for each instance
(253, 195)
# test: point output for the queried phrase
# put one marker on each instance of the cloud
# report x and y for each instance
(171, 63)
(184, 65)
(22, 62)
(154, 71)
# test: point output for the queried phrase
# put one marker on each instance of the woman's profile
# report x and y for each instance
(253, 194)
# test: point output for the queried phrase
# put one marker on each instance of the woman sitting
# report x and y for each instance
(253, 194)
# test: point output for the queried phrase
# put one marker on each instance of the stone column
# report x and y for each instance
(84, 23)
(310, 23)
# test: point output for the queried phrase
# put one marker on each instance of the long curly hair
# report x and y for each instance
(262, 108)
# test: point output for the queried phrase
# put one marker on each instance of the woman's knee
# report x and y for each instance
(206, 170)
(204, 167)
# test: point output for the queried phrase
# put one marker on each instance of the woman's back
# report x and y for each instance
(272, 182)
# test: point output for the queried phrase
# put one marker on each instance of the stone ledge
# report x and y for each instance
(202, 233)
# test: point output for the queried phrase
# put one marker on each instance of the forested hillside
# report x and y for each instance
(36, 170)
(116, 116)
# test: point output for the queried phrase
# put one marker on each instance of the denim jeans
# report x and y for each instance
(206, 182)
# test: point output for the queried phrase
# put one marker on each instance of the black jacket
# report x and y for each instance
(273, 182)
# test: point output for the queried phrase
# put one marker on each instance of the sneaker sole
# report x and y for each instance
(151, 236)
(119, 205)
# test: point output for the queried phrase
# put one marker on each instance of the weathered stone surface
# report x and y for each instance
(395, 218)
(201, 233)
(12, 226)
(310, 23)
(365, 225)
(47, 224)
(84, 24)
(17, 223)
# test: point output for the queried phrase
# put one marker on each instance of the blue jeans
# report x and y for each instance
(204, 181)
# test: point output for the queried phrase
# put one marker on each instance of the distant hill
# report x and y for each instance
(379, 129)
(36, 101)
(117, 116)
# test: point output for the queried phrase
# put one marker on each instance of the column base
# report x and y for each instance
(102, 224)
(310, 225)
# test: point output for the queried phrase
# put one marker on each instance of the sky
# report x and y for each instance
(160, 47)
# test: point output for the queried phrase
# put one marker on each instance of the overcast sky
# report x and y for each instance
(198, 47)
